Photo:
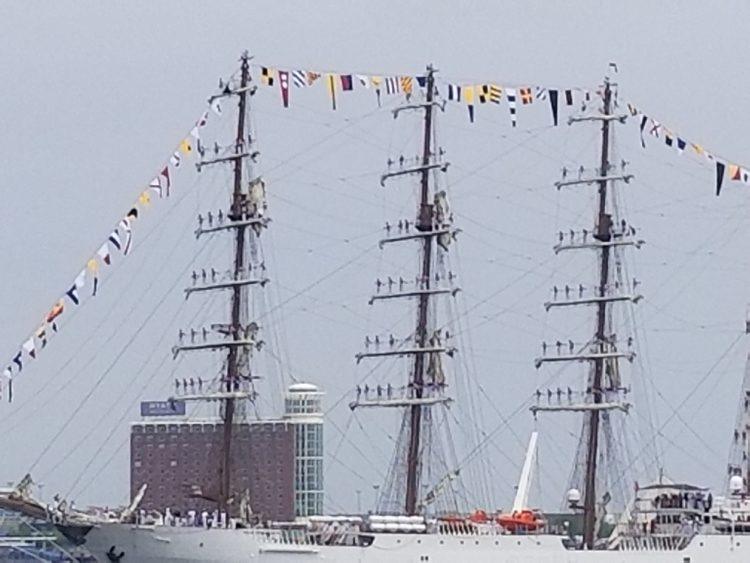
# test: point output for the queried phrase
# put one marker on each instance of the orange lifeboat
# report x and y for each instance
(521, 521)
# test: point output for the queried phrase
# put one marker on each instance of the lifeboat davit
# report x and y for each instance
(521, 521)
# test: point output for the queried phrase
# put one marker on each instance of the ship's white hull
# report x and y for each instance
(166, 544)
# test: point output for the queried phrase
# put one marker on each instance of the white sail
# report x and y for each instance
(524, 483)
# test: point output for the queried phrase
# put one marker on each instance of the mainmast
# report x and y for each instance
(604, 388)
(426, 383)
(246, 218)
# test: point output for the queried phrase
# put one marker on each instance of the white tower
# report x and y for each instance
(303, 409)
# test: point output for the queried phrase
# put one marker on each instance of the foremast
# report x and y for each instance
(604, 391)
(244, 219)
(426, 385)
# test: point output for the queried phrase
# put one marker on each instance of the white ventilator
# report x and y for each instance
(524, 483)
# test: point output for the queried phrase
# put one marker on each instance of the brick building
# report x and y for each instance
(171, 454)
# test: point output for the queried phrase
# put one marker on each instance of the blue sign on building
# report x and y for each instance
(163, 408)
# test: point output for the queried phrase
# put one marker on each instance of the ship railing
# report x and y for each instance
(469, 529)
(654, 542)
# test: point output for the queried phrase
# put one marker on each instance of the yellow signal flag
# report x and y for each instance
(376, 81)
(697, 148)
(145, 198)
(468, 94)
(93, 265)
(186, 147)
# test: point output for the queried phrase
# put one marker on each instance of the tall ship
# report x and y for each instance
(419, 514)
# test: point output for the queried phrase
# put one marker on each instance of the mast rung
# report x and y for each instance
(219, 396)
(582, 407)
(592, 357)
(439, 105)
(416, 293)
(405, 352)
(443, 167)
(226, 285)
(232, 157)
(591, 301)
(594, 180)
(418, 235)
(636, 243)
(232, 225)
(242, 343)
(612, 117)
(402, 402)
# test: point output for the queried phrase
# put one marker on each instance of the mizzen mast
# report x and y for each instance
(237, 338)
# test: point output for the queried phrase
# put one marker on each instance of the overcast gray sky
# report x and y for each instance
(95, 96)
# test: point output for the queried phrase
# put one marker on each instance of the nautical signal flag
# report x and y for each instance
(330, 79)
(553, 104)
(299, 78)
(510, 94)
(496, 93)
(284, 86)
(346, 83)
(266, 76)
(483, 93)
(469, 97)
(526, 96)
(406, 85)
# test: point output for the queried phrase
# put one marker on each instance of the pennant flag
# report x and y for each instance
(454, 92)
(284, 86)
(41, 334)
(734, 172)
(80, 280)
(132, 214)
(29, 347)
(17, 360)
(266, 76)
(680, 145)
(496, 93)
(644, 120)
(56, 311)
(346, 82)
(511, 95)
(195, 133)
(125, 224)
(376, 82)
(332, 90)
(312, 77)
(72, 293)
(668, 140)
(364, 80)
(526, 97)
(167, 180)
(568, 97)
(216, 105)
(298, 78)
(103, 253)
(719, 176)
(540, 93)
(203, 121)
(175, 160)
(93, 268)
(406, 85)
(186, 147)
(553, 105)
(114, 238)
(391, 85)
(469, 97)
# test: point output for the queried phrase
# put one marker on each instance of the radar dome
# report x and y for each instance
(736, 484)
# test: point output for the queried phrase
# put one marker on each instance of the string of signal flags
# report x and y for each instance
(119, 242)
(573, 99)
